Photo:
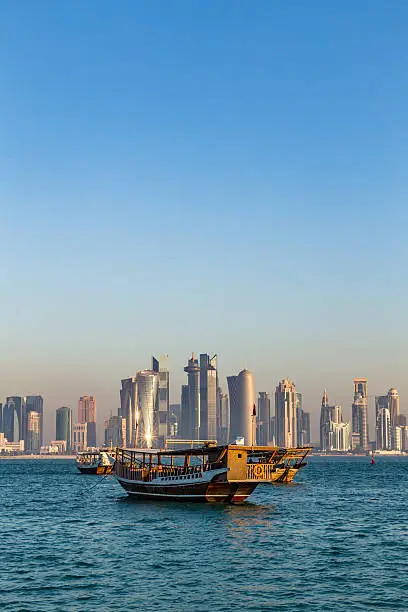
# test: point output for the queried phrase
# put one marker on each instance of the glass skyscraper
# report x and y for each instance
(63, 425)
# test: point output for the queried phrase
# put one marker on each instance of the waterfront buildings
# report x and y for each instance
(285, 413)
(34, 403)
(388, 421)
(128, 409)
(63, 426)
(10, 447)
(115, 431)
(334, 433)
(80, 437)
(147, 408)
(264, 419)
(87, 414)
(191, 430)
(242, 402)
(359, 412)
(208, 397)
(160, 366)
(33, 432)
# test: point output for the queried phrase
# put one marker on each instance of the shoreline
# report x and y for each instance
(40, 457)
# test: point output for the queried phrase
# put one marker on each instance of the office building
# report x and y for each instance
(383, 429)
(306, 428)
(63, 426)
(115, 431)
(13, 419)
(191, 428)
(242, 403)
(208, 397)
(160, 366)
(299, 419)
(32, 444)
(87, 414)
(128, 409)
(34, 403)
(263, 419)
(174, 421)
(80, 437)
(334, 433)
(286, 413)
(147, 408)
(359, 412)
(396, 438)
(222, 417)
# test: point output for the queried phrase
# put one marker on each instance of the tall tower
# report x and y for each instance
(63, 425)
(394, 406)
(128, 409)
(186, 426)
(384, 429)
(87, 414)
(208, 397)
(32, 442)
(147, 407)
(299, 419)
(160, 366)
(193, 378)
(285, 411)
(264, 418)
(13, 419)
(359, 411)
(242, 400)
(324, 419)
(34, 403)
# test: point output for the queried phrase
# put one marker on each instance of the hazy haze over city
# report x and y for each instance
(218, 177)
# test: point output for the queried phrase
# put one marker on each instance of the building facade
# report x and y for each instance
(115, 431)
(264, 419)
(80, 437)
(242, 402)
(87, 414)
(383, 429)
(147, 408)
(208, 397)
(128, 409)
(32, 444)
(63, 426)
(160, 365)
(34, 403)
(306, 437)
(13, 419)
(286, 414)
(359, 412)
(192, 424)
(222, 417)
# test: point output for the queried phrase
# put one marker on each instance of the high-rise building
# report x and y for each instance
(128, 409)
(32, 443)
(36, 403)
(285, 412)
(147, 408)
(334, 433)
(87, 414)
(299, 419)
(359, 412)
(160, 366)
(264, 418)
(174, 420)
(115, 431)
(394, 406)
(63, 426)
(396, 438)
(186, 424)
(1, 417)
(13, 419)
(208, 397)
(273, 431)
(242, 403)
(193, 377)
(306, 428)
(79, 437)
(383, 429)
(222, 417)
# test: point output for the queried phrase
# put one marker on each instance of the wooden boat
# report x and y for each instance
(94, 462)
(225, 474)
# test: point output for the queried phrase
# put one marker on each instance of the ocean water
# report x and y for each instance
(335, 540)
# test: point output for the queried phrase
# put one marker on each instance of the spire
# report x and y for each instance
(325, 401)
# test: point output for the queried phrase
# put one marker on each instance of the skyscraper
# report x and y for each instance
(147, 408)
(63, 425)
(264, 418)
(305, 428)
(394, 407)
(36, 403)
(222, 417)
(13, 419)
(334, 434)
(299, 419)
(208, 397)
(186, 425)
(193, 377)
(115, 431)
(160, 366)
(87, 414)
(359, 411)
(32, 443)
(285, 412)
(383, 429)
(242, 401)
(128, 409)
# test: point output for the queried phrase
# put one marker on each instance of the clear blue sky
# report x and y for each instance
(220, 176)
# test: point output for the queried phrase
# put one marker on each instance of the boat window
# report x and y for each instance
(239, 456)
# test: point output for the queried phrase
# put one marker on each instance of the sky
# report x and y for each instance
(213, 176)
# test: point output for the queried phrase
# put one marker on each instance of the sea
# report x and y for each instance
(335, 540)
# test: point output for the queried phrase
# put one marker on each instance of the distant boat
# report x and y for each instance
(94, 462)
(372, 459)
(226, 474)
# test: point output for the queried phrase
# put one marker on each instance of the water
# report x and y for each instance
(336, 540)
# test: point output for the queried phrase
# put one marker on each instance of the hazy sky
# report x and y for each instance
(220, 176)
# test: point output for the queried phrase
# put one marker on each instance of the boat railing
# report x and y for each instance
(260, 471)
(148, 474)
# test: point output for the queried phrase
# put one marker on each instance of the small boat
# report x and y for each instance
(94, 462)
(227, 474)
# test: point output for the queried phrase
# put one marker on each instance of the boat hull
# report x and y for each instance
(201, 492)
(95, 469)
